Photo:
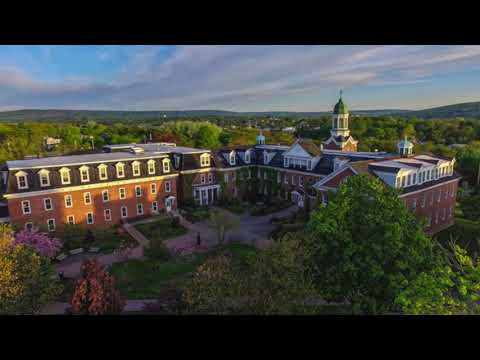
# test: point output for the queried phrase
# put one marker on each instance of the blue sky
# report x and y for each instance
(238, 78)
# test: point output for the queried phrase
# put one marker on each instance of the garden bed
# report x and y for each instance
(161, 230)
(100, 239)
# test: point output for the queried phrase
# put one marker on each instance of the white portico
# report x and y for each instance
(206, 194)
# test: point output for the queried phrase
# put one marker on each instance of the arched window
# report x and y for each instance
(120, 170)
(136, 168)
(102, 172)
(65, 175)
(151, 167)
(166, 165)
(232, 158)
(247, 157)
(205, 160)
(84, 174)
(44, 177)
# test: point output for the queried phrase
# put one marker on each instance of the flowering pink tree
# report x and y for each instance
(40, 242)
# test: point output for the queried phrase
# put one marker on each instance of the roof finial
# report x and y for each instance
(341, 92)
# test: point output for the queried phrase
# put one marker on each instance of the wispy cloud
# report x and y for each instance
(240, 77)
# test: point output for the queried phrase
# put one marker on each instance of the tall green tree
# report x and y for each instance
(366, 245)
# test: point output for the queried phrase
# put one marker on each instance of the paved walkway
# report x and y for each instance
(253, 230)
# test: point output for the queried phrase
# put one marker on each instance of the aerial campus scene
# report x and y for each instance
(239, 180)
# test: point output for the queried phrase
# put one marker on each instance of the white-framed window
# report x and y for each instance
(51, 224)
(90, 218)
(136, 168)
(65, 176)
(87, 198)
(121, 193)
(123, 212)
(293, 179)
(71, 219)
(300, 180)
(414, 204)
(154, 206)
(151, 166)
(120, 167)
(102, 172)
(265, 157)
(210, 178)
(309, 165)
(286, 179)
(26, 208)
(202, 178)
(168, 186)
(414, 179)
(231, 158)
(107, 214)
(44, 177)
(279, 177)
(153, 188)
(166, 165)
(28, 226)
(247, 157)
(205, 160)
(22, 181)
(139, 209)
(409, 179)
(176, 158)
(84, 174)
(47, 204)
(225, 177)
(285, 161)
(105, 196)
(138, 191)
(68, 201)
(403, 180)
(265, 175)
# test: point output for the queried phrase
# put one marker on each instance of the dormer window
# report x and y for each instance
(166, 165)
(22, 181)
(84, 174)
(65, 176)
(265, 157)
(151, 167)
(44, 177)
(247, 157)
(205, 160)
(285, 161)
(136, 168)
(231, 158)
(176, 158)
(120, 170)
(102, 172)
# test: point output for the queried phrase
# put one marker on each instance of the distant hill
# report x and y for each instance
(466, 110)
(470, 110)
(78, 115)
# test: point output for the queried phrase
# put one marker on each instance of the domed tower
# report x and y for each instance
(405, 148)
(340, 138)
(260, 138)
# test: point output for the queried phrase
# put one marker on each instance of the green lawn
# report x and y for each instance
(194, 215)
(235, 207)
(137, 279)
(161, 230)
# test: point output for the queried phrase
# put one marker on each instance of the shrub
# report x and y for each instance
(38, 241)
